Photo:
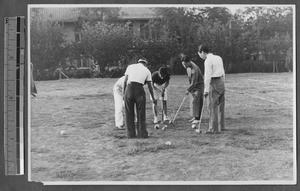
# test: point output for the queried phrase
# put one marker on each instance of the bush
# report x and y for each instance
(158, 52)
(257, 66)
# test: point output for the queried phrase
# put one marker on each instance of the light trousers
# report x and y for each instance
(216, 105)
(119, 104)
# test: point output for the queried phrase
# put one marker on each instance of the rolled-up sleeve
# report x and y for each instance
(207, 74)
(149, 77)
(194, 77)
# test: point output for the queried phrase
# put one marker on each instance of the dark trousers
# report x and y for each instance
(197, 102)
(135, 96)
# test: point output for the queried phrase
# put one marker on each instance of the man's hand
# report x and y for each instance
(194, 94)
(154, 101)
(205, 94)
(156, 88)
(186, 92)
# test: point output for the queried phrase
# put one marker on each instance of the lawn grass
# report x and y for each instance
(257, 146)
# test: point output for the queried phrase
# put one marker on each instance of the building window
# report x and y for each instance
(155, 33)
(144, 31)
(78, 36)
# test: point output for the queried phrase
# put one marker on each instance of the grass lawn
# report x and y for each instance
(258, 145)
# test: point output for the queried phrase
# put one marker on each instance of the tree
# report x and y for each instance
(105, 42)
(157, 52)
(277, 48)
(48, 45)
(216, 14)
(217, 37)
(180, 23)
(263, 29)
(262, 23)
(192, 26)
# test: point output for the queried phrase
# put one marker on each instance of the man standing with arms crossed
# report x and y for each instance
(214, 87)
(136, 75)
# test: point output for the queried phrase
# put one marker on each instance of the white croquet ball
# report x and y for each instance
(63, 132)
(164, 127)
(168, 143)
(198, 131)
(194, 126)
(156, 126)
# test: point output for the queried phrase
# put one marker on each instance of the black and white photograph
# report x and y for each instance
(166, 94)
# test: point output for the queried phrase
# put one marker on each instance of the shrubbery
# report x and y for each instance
(112, 43)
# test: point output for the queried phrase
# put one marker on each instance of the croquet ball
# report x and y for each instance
(63, 132)
(168, 143)
(194, 126)
(198, 131)
(156, 126)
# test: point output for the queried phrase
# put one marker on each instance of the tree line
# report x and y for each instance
(253, 39)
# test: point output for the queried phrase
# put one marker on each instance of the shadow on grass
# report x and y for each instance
(40, 150)
(200, 143)
(148, 149)
(69, 174)
(105, 95)
(260, 142)
(235, 132)
(39, 169)
(92, 125)
(212, 151)
(75, 174)
(118, 136)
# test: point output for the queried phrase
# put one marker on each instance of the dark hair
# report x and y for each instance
(185, 58)
(163, 71)
(203, 48)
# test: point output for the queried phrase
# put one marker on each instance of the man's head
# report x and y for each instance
(186, 61)
(143, 61)
(163, 72)
(203, 51)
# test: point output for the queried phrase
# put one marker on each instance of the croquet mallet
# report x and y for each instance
(172, 121)
(162, 106)
(199, 125)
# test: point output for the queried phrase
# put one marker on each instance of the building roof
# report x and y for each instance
(137, 13)
(72, 14)
(61, 14)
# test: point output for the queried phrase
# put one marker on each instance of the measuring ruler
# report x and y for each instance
(14, 65)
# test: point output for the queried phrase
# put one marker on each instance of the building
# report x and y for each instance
(69, 19)
(139, 18)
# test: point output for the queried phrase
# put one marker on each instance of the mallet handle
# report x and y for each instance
(179, 108)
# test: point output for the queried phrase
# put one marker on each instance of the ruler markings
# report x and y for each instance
(14, 58)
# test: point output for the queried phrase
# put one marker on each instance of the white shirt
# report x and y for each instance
(138, 73)
(213, 68)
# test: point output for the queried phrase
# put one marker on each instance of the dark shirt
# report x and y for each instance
(196, 79)
(159, 81)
